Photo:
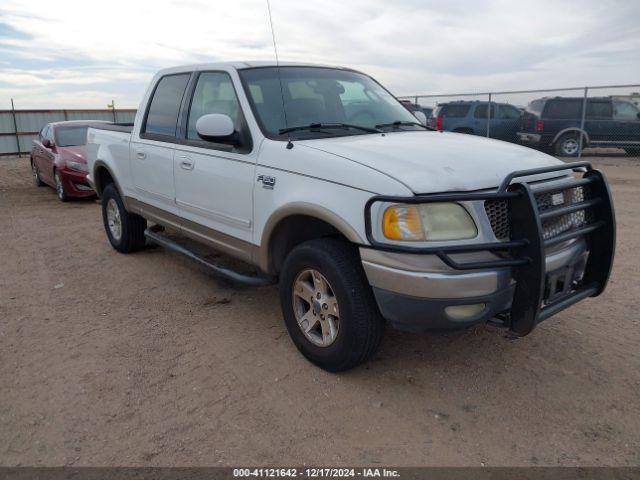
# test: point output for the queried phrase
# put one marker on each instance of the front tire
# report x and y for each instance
(568, 145)
(328, 306)
(36, 175)
(125, 230)
(60, 192)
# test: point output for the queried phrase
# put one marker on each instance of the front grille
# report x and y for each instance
(498, 213)
(557, 225)
(499, 217)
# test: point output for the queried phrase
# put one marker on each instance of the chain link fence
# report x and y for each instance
(567, 122)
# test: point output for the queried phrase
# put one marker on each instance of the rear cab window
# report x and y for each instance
(569, 108)
(164, 107)
(599, 109)
(453, 110)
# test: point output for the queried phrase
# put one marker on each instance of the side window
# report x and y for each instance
(599, 109)
(481, 111)
(625, 111)
(508, 112)
(563, 108)
(453, 110)
(162, 118)
(214, 93)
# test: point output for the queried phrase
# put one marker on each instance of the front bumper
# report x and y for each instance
(75, 183)
(527, 278)
(422, 300)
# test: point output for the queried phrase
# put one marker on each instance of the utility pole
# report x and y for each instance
(112, 106)
(15, 127)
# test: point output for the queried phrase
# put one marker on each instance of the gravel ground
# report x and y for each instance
(146, 359)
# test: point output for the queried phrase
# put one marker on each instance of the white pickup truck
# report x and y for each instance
(319, 178)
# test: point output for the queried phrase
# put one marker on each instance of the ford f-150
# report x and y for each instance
(320, 179)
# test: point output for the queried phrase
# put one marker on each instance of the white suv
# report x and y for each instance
(322, 180)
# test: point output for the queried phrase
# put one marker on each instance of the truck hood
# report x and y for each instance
(431, 162)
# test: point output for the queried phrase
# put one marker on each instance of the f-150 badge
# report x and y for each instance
(267, 181)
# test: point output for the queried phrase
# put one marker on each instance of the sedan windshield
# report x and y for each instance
(71, 136)
(335, 102)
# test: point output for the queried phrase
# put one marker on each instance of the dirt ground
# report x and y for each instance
(146, 359)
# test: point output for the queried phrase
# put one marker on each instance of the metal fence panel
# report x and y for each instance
(22, 126)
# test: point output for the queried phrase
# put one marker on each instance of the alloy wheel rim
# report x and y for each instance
(315, 307)
(570, 146)
(113, 219)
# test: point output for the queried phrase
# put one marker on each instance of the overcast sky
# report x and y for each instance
(85, 53)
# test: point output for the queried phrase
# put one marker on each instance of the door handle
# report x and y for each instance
(141, 155)
(186, 163)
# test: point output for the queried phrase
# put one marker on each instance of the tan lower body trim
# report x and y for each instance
(222, 242)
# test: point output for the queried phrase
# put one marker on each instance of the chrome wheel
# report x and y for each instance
(570, 146)
(316, 308)
(113, 219)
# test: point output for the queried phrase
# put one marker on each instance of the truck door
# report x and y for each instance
(214, 179)
(480, 121)
(509, 119)
(152, 150)
(598, 121)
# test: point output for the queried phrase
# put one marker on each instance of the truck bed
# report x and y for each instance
(114, 127)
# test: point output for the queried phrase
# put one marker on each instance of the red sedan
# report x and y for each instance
(58, 159)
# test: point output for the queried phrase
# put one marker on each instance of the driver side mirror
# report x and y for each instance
(46, 143)
(422, 118)
(215, 126)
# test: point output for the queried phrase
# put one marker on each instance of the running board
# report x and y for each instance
(154, 235)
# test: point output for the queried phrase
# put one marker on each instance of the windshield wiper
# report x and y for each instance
(401, 123)
(318, 126)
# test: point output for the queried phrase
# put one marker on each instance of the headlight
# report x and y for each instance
(81, 167)
(428, 221)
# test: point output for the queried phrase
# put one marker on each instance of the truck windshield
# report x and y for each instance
(71, 136)
(324, 96)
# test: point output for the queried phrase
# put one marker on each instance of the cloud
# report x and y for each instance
(80, 55)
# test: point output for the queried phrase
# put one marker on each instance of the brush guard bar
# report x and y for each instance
(524, 252)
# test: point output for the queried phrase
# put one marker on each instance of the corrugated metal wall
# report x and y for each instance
(30, 122)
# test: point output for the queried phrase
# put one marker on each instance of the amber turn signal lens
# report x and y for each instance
(402, 222)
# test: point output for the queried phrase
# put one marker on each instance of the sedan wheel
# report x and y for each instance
(62, 195)
(36, 176)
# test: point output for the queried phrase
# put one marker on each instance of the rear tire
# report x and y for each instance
(125, 230)
(348, 326)
(568, 145)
